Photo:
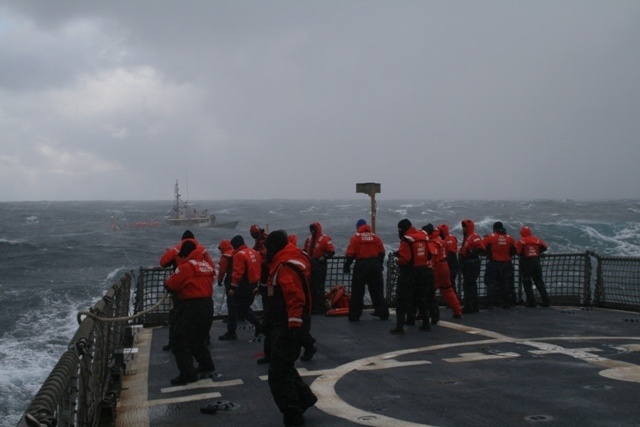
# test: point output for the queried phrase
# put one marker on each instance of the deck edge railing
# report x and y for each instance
(84, 384)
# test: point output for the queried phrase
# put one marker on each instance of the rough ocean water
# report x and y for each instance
(58, 258)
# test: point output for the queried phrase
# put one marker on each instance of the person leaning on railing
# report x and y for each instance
(193, 284)
(319, 247)
(498, 274)
(529, 248)
(469, 257)
(171, 259)
(367, 250)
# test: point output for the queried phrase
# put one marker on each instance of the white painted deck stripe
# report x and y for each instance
(191, 398)
(135, 388)
(208, 383)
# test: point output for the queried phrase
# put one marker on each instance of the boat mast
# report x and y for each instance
(176, 192)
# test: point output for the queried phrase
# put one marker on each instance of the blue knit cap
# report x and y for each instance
(360, 223)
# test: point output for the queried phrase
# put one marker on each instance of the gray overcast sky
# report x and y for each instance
(115, 100)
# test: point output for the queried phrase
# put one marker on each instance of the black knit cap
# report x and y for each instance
(404, 225)
(497, 226)
(188, 235)
(428, 228)
(275, 242)
(237, 241)
(186, 248)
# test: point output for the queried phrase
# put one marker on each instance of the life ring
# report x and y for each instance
(343, 311)
(335, 298)
(329, 295)
(343, 302)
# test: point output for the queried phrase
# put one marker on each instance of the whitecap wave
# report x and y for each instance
(310, 209)
(10, 241)
(32, 347)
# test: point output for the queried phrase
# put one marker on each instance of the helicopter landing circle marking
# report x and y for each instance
(330, 403)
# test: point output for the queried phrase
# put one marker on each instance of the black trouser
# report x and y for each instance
(470, 268)
(172, 314)
(425, 277)
(411, 292)
(318, 279)
(306, 340)
(498, 277)
(430, 294)
(367, 272)
(454, 267)
(530, 268)
(289, 391)
(239, 305)
(192, 324)
(266, 323)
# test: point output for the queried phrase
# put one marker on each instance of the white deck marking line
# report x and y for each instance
(182, 399)
(613, 369)
(330, 403)
(476, 357)
(135, 387)
(206, 383)
(387, 364)
(628, 347)
(304, 373)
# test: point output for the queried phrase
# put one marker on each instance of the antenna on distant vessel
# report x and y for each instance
(176, 193)
(186, 178)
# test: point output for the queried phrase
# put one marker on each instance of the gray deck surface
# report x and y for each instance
(553, 366)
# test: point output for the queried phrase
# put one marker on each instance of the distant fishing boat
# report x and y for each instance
(184, 215)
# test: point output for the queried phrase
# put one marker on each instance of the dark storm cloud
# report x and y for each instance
(284, 99)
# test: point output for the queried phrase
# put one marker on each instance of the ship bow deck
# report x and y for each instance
(566, 366)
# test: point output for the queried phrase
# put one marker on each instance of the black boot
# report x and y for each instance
(308, 353)
(308, 402)
(184, 379)
(263, 360)
(229, 335)
(399, 329)
(546, 302)
(293, 418)
(258, 331)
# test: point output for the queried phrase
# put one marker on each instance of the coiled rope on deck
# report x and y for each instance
(120, 319)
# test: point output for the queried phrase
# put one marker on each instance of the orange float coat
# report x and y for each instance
(529, 246)
(284, 280)
(246, 266)
(472, 244)
(500, 246)
(225, 261)
(451, 248)
(440, 266)
(449, 240)
(442, 276)
(260, 236)
(364, 244)
(194, 277)
(322, 247)
(414, 249)
(170, 257)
